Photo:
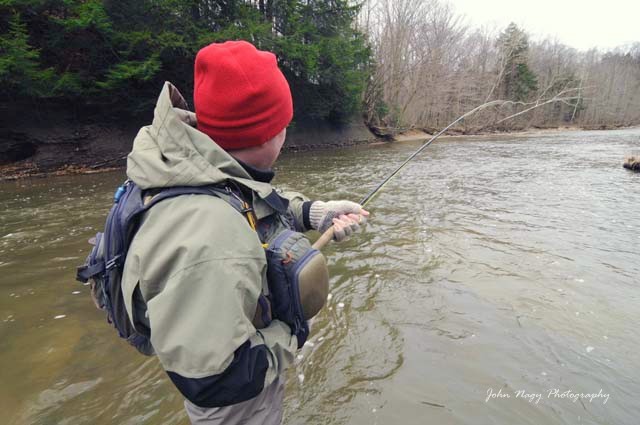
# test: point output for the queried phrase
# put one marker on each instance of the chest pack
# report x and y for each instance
(297, 275)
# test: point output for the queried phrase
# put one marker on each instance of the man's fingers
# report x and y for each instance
(350, 222)
(354, 221)
(361, 216)
(344, 225)
(347, 224)
(339, 230)
(339, 224)
(359, 219)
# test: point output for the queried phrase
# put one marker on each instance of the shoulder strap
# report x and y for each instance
(233, 198)
(129, 204)
(223, 193)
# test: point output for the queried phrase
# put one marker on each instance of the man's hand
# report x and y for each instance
(345, 216)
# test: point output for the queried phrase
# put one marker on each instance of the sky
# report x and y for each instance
(581, 24)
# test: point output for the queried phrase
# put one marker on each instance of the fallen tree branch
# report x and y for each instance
(559, 97)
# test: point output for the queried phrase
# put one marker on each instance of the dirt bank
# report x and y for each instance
(416, 135)
(58, 142)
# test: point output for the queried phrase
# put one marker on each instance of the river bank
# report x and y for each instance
(57, 150)
(417, 135)
(58, 145)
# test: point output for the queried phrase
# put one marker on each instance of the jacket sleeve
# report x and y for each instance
(299, 208)
(201, 280)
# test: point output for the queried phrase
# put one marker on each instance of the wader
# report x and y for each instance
(265, 409)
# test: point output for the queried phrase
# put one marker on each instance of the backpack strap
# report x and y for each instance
(224, 193)
(85, 272)
(232, 197)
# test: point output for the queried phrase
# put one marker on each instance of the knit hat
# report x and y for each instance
(241, 97)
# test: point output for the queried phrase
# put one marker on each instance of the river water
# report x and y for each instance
(492, 265)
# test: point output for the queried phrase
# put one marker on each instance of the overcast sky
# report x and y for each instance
(580, 24)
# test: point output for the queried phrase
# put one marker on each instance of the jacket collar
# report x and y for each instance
(264, 176)
(172, 152)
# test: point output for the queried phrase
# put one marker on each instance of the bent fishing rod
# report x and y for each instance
(327, 236)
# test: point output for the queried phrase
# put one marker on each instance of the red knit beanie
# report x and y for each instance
(241, 97)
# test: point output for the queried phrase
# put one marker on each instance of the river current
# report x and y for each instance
(497, 282)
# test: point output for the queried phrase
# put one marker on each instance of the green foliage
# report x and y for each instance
(324, 59)
(518, 82)
(83, 16)
(126, 73)
(106, 51)
(523, 82)
(67, 85)
(19, 63)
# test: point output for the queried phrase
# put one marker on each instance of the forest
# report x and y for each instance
(395, 64)
(431, 67)
(115, 54)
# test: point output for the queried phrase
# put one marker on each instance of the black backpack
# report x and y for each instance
(104, 266)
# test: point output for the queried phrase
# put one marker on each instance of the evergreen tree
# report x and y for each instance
(518, 81)
(20, 63)
(109, 52)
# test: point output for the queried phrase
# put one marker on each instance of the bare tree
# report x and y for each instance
(430, 68)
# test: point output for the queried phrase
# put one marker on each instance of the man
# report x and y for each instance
(196, 269)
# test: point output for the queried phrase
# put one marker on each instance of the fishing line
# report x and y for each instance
(328, 234)
(537, 104)
(378, 188)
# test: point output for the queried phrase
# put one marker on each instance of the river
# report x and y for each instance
(496, 282)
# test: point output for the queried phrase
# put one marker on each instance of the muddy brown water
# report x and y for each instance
(492, 265)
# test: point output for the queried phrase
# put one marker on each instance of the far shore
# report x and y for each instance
(417, 135)
(26, 169)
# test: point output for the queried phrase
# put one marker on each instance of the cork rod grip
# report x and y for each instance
(324, 239)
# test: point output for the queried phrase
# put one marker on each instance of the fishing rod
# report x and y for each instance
(327, 236)
(378, 188)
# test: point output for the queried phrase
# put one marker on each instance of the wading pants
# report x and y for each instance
(264, 409)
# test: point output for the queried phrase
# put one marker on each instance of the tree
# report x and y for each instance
(518, 81)
(108, 52)
(20, 62)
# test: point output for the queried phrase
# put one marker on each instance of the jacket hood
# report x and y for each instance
(172, 152)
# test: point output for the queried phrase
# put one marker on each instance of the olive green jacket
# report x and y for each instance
(195, 261)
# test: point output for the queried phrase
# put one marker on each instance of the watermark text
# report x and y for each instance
(550, 394)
